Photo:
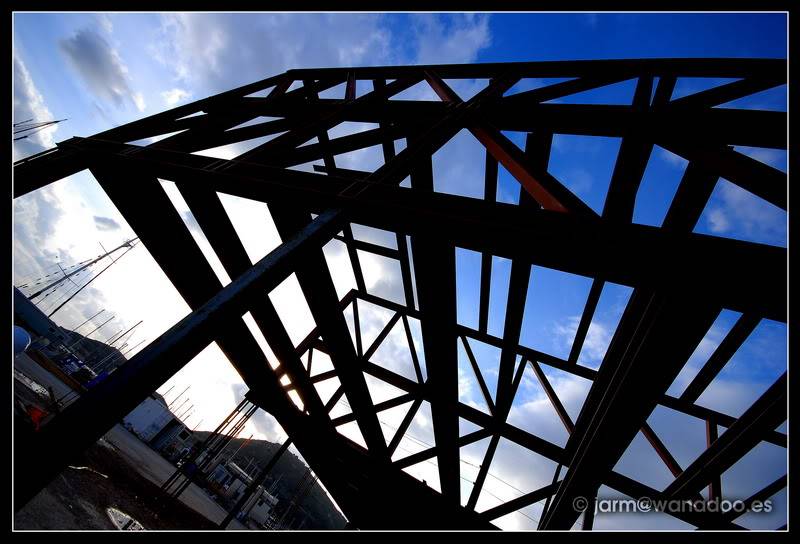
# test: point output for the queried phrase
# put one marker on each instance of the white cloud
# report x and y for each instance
(173, 96)
(212, 53)
(104, 19)
(138, 100)
(718, 220)
(598, 337)
(30, 104)
(464, 385)
(220, 51)
(59, 221)
(732, 209)
(453, 38)
(100, 67)
(106, 223)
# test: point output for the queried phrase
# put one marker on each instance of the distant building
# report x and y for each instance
(259, 507)
(149, 418)
(231, 482)
(154, 423)
(176, 441)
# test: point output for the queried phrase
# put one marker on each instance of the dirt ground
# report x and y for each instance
(77, 499)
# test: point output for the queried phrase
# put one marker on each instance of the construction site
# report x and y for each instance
(131, 456)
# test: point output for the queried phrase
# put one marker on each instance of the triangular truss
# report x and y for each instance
(681, 280)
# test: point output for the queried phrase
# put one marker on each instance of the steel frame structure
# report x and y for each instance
(681, 280)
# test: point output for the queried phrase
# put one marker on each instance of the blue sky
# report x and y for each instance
(102, 70)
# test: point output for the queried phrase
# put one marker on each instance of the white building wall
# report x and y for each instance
(260, 514)
(148, 418)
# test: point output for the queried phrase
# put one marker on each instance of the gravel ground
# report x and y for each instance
(78, 498)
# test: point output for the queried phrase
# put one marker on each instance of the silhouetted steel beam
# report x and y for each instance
(379, 407)
(487, 396)
(661, 449)
(626, 254)
(654, 327)
(767, 412)
(653, 261)
(743, 327)
(483, 471)
(435, 270)
(490, 424)
(634, 154)
(560, 90)
(359, 481)
(430, 453)
(355, 262)
(369, 247)
(586, 319)
(760, 495)
(404, 424)
(727, 92)
(88, 418)
(317, 287)
(550, 194)
(638, 490)
(694, 190)
(300, 135)
(624, 68)
(756, 177)
(221, 234)
(489, 194)
(668, 401)
(717, 125)
(715, 487)
(554, 400)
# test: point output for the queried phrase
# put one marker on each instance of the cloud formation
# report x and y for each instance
(595, 345)
(106, 223)
(173, 96)
(29, 104)
(225, 50)
(101, 68)
(450, 38)
(736, 211)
